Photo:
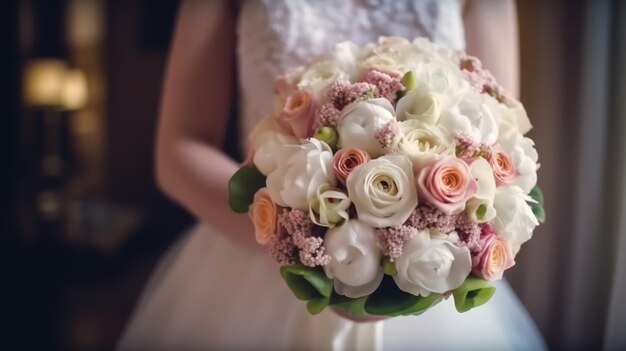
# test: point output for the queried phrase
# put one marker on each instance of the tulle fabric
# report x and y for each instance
(208, 293)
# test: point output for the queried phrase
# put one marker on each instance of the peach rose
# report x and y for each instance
(264, 215)
(495, 258)
(299, 113)
(447, 184)
(345, 160)
(503, 167)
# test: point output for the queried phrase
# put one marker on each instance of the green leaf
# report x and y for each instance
(474, 292)
(537, 207)
(308, 284)
(317, 305)
(536, 194)
(389, 300)
(242, 186)
(354, 307)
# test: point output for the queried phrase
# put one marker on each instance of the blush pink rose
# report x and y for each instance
(502, 165)
(495, 258)
(299, 114)
(447, 184)
(346, 159)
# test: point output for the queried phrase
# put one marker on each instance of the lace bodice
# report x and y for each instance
(275, 35)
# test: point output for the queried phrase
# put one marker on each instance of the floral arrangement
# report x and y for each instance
(390, 177)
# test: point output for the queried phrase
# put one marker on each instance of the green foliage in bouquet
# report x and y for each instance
(473, 293)
(353, 307)
(390, 301)
(242, 186)
(311, 285)
(537, 206)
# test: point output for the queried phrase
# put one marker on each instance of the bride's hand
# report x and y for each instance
(363, 319)
(200, 77)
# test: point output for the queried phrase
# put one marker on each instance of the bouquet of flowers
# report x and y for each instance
(390, 177)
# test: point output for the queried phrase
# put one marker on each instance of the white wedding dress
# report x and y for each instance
(208, 293)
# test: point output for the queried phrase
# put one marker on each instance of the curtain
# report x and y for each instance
(616, 321)
(572, 275)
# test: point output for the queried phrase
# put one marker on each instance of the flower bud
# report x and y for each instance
(327, 135)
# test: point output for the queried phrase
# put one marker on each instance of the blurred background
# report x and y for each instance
(83, 223)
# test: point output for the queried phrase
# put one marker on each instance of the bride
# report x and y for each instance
(216, 289)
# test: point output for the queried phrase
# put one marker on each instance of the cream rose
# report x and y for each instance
(423, 143)
(264, 215)
(383, 191)
(297, 179)
(420, 105)
(432, 263)
(447, 184)
(355, 259)
(329, 207)
(360, 123)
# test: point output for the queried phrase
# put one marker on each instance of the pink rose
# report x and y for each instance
(495, 258)
(503, 167)
(299, 114)
(447, 184)
(347, 159)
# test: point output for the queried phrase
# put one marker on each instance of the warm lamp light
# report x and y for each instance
(43, 82)
(74, 90)
(49, 83)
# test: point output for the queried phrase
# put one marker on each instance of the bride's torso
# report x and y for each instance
(274, 35)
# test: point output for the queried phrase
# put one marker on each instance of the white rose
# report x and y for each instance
(383, 191)
(329, 207)
(423, 143)
(515, 219)
(480, 208)
(436, 52)
(297, 179)
(319, 76)
(361, 121)
(419, 104)
(515, 114)
(272, 149)
(432, 264)
(394, 44)
(524, 157)
(382, 61)
(345, 55)
(354, 259)
(443, 81)
(473, 116)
